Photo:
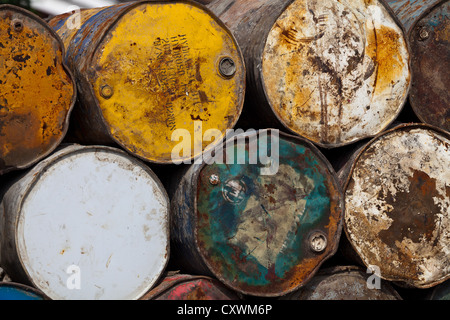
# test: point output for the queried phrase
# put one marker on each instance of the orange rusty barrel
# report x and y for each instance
(149, 68)
(345, 283)
(332, 71)
(261, 213)
(190, 287)
(427, 24)
(397, 205)
(87, 222)
(36, 89)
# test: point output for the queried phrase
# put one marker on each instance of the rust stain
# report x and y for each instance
(397, 202)
(335, 72)
(36, 92)
(413, 207)
(384, 48)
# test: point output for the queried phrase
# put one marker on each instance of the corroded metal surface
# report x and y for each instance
(332, 71)
(343, 283)
(88, 223)
(430, 49)
(427, 25)
(148, 68)
(397, 205)
(262, 235)
(16, 292)
(409, 11)
(36, 89)
(190, 287)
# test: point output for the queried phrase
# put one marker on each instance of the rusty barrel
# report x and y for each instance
(190, 287)
(345, 283)
(332, 71)
(16, 291)
(427, 25)
(397, 205)
(261, 213)
(88, 222)
(37, 91)
(145, 69)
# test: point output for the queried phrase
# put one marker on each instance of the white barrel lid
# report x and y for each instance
(94, 226)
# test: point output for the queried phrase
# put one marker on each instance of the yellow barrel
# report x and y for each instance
(148, 68)
(36, 90)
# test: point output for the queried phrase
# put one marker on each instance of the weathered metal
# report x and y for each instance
(260, 232)
(16, 291)
(344, 283)
(397, 205)
(427, 25)
(37, 92)
(332, 71)
(86, 223)
(190, 287)
(148, 68)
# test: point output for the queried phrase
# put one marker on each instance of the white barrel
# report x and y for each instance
(86, 223)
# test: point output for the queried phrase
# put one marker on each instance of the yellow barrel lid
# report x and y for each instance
(161, 67)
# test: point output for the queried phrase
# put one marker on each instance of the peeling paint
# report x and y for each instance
(336, 71)
(149, 68)
(398, 205)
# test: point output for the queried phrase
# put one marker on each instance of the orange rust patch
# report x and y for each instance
(384, 46)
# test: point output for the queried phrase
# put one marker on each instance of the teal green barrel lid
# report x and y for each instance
(264, 227)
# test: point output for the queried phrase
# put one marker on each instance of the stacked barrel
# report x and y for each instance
(225, 149)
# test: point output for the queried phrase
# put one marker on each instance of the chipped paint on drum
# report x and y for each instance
(334, 71)
(15, 292)
(253, 231)
(36, 89)
(190, 287)
(343, 283)
(397, 205)
(93, 212)
(149, 68)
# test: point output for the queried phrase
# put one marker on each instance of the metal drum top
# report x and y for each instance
(36, 90)
(154, 67)
(265, 234)
(90, 223)
(397, 205)
(336, 71)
